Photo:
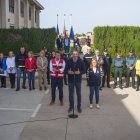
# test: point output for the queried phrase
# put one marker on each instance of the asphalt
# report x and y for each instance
(117, 119)
(15, 109)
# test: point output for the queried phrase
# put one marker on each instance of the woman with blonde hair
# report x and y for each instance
(94, 75)
(11, 68)
(30, 65)
(42, 65)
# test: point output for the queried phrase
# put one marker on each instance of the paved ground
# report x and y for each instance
(16, 107)
(118, 118)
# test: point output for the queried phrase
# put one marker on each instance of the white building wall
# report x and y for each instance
(0, 15)
(7, 19)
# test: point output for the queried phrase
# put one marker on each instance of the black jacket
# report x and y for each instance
(94, 79)
(107, 61)
(87, 59)
(64, 57)
(74, 66)
(59, 42)
(20, 60)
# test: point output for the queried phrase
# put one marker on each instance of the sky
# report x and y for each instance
(87, 14)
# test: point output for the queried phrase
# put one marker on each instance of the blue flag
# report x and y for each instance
(71, 33)
(57, 30)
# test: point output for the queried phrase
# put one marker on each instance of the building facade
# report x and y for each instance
(20, 13)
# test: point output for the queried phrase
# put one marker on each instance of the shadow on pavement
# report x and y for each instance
(118, 118)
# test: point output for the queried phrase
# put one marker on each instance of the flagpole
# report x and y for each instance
(64, 30)
(57, 25)
(70, 20)
(57, 18)
(64, 18)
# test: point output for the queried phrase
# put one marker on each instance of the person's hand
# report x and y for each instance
(54, 70)
(70, 72)
(131, 68)
(77, 72)
(10, 68)
(42, 69)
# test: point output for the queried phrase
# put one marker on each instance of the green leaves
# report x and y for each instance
(116, 38)
(32, 39)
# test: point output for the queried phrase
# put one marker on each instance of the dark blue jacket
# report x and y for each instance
(3, 64)
(107, 62)
(76, 42)
(94, 79)
(20, 60)
(74, 66)
(65, 45)
(59, 43)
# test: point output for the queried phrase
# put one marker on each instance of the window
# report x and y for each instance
(11, 6)
(22, 9)
(12, 26)
(35, 15)
(30, 12)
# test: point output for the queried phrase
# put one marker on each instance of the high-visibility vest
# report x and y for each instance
(137, 67)
(57, 74)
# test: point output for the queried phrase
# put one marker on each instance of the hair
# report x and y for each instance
(11, 52)
(91, 63)
(75, 51)
(53, 51)
(30, 53)
(96, 50)
(42, 51)
(22, 47)
(57, 52)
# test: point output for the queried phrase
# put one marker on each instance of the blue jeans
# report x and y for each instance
(31, 79)
(92, 90)
(19, 72)
(71, 94)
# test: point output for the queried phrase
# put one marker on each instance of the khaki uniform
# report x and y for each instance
(42, 75)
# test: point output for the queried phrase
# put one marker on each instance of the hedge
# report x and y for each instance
(32, 39)
(116, 38)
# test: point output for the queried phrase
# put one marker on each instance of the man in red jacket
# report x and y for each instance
(30, 65)
(57, 66)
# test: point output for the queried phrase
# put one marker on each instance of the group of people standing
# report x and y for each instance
(66, 43)
(54, 67)
(131, 62)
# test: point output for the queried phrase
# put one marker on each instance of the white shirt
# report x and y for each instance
(57, 62)
(97, 57)
(30, 58)
(84, 49)
(94, 69)
(10, 62)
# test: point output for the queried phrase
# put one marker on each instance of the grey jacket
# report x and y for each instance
(100, 60)
(131, 61)
(118, 62)
(42, 63)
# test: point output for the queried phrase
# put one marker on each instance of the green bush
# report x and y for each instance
(32, 39)
(116, 38)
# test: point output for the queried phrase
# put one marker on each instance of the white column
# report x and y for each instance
(17, 13)
(4, 13)
(38, 19)
(26, 16)
(33, 17)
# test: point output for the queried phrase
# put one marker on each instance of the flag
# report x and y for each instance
(71, 33)
(64, 31)
(57, 29)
